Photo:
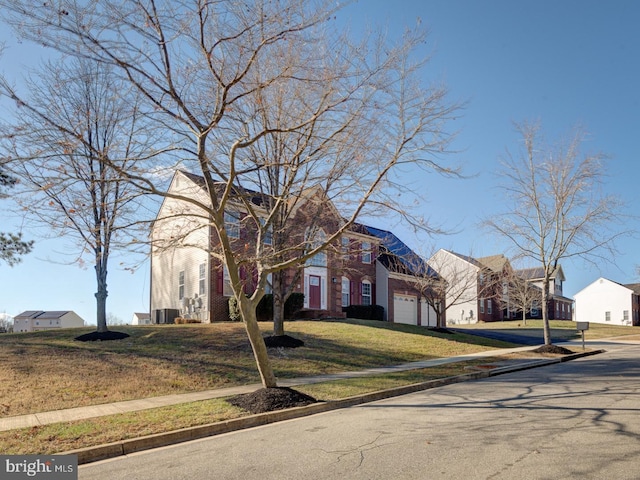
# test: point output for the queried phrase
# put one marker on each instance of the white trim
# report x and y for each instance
(318, 272)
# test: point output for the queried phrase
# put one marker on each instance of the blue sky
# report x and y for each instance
(562, 62)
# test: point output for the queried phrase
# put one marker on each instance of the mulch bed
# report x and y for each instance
(270, 399)
(553, 349)
(282, 341)
(101, 336)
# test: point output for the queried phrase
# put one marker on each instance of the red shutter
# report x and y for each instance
(219, 280)
(352, 292)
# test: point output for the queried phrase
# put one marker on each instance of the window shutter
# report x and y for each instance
(219, 281)
(373, 294)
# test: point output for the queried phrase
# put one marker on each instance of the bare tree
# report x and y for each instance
(12, 247)
(353, 116)
(76, 129)
(521, 295)
(459, 286)
(557, 208)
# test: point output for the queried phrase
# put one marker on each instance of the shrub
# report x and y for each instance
(234, 310)
(264, 310)
(365, 312)
(293, 305)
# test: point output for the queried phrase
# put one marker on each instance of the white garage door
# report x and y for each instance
(405, 309)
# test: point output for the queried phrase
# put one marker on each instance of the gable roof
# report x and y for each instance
(495, 263)
(633, 286)
(397, 256)
(466, 258)
(538, 273)
(39, 314)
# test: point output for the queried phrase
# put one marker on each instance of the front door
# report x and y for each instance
(314, 291)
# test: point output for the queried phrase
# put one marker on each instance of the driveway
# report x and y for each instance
(521, 336)
(577, 419)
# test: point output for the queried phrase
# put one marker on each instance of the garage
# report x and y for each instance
(405, 309)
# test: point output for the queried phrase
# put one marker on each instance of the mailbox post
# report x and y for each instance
(581, 327)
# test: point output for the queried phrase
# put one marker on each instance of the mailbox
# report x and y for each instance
(581, 326)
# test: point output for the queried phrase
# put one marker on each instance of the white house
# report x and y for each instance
(608, 302)
(461, 273)
(141, 319)
(34, 320)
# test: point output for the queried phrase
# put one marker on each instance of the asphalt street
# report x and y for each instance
(577, 419)
(521, 336)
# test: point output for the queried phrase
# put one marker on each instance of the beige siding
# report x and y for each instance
(169, 256)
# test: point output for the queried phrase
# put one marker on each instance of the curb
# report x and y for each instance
(126, 447)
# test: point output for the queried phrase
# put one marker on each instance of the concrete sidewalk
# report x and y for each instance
(80, 413)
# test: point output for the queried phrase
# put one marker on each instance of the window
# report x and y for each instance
(607, 316)
(320, 258)
(366, 252)
(625, 315)
(267, 238)
(346, 288)
(232, 224)
(202, 283)
(489, 307)
(181, 285)
(482, 305)
(482, 279)
(344, 247)
(534, 309)
(227, 291)
(366, 293)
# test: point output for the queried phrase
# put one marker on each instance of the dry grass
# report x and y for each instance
(44, 371)
(61, 437)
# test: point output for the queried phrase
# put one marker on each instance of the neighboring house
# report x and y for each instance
(141, 319)
(474, 289)
(188, 281)
(608, 302)
(493, 288)
(403, 282)
(35, 320)
(559, 307)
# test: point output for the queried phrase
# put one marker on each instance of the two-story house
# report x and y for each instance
(189, 279)
(475, 286)
(559, 307)
(36, 320)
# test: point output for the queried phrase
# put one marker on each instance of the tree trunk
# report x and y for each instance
(101, 300)
(248, 312)
(278, 303)
(545, 312)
